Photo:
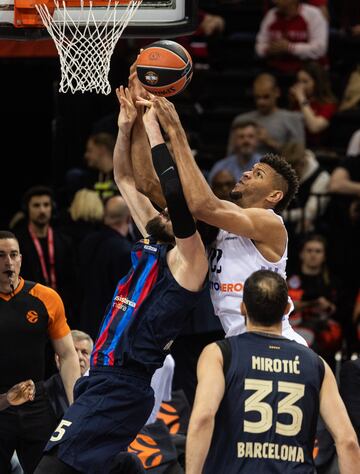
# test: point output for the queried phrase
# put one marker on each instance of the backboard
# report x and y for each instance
(153, 19)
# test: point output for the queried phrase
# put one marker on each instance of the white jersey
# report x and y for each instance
(232, 260)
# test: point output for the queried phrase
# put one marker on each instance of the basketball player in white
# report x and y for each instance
(252, 235)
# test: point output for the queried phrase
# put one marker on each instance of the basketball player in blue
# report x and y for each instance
(147, 312)
(259, 395)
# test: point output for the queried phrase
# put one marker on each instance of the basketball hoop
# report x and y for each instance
(85, 44)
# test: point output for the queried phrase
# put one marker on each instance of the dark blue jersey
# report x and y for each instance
(266, 421)
(148, 311)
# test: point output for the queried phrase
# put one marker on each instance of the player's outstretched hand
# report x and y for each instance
(165, 111)
(128, 112)
(135, 86)
(21, 393)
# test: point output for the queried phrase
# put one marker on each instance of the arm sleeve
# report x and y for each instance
(181, 218)
(57, 324)
(317, 45)
(263, 37)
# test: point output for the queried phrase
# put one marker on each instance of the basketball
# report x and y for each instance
(164, 68)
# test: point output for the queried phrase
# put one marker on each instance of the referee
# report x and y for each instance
(30, 313)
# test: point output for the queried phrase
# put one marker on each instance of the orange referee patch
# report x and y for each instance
(32, 316)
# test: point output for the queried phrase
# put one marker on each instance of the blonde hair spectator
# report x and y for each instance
(87, 206)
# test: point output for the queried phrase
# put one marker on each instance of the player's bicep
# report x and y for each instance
(251, 223)
(140, 207)
(211, 381)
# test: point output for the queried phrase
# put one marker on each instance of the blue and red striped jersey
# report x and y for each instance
(147, 263)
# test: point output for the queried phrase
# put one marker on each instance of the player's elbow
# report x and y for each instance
(348, 445)
(202, 420)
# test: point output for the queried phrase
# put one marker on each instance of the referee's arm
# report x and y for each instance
(209, 393)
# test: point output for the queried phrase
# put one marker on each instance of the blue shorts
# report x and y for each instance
(111, 406)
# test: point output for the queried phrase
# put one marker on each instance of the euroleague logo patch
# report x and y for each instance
(154, 56)
(32, 316)
(151, 78)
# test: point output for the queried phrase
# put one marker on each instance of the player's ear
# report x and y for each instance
(243, 309)
(275, 196)
(287, 308)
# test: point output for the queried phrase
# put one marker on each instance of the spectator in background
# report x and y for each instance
(312, 94)
(275, 126)
(350, 17)
(85, 215)
(322, 5)
(353, 148)
(291, 33)
(222, 183)
(244, 142)
(105, 257)
(99, 174)
(306, 207)
(54, 385)
(30, 313)
(47, 253)
(314, 292)
(343, 218)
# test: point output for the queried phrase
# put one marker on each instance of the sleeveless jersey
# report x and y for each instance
(147, 312)
(233, 259)
(267, 419)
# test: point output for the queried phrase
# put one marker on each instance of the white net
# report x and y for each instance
(85, 44)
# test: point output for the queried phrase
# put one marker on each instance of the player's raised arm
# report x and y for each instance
(145, 177)
(334, 414)
(140, 207)
(256, 223)
(189, 249)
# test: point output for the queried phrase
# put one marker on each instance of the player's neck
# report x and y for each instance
(275, 330)
(39, 230)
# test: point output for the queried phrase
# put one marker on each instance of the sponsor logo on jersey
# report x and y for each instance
(32, 316)
(120, 302)
(149, 247)
(227, 287)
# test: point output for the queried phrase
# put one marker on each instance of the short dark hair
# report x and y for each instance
(313, 238)
(104, 139)
(244, 124)
(265, 297)
(36, 191)
(288, 176)
(5, 234)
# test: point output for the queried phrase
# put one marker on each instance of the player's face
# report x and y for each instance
(266, 96)
(10, 262)
(160, 227)
(83, 349)
(40, 210)
(307, 83)
(254, 186)
(245, 140)
(313, 255)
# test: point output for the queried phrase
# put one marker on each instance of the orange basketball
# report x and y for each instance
(164, 68)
